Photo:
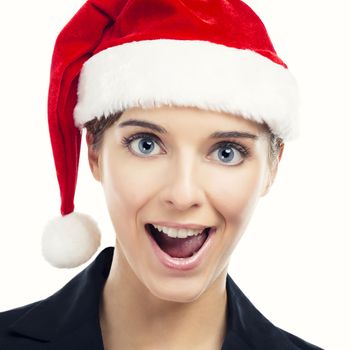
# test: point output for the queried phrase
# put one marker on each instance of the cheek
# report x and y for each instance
(128, 184)
(122, 185)
(235, 193)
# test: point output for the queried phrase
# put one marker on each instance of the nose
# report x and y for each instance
(183, 185)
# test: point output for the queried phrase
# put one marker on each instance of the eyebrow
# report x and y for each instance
(161, 130)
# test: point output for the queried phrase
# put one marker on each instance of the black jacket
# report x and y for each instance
(69, 319)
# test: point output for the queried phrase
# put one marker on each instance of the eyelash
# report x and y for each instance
(244, 151)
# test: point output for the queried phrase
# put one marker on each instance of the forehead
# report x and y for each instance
(192, 119)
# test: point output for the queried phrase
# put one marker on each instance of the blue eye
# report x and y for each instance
(145, 145)
(230, 154)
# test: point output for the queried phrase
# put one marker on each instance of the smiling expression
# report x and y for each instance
(180, 165)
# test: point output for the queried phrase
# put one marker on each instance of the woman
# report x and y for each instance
(187, 107)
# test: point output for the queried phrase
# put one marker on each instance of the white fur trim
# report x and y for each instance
(71, 240)
(193, 73)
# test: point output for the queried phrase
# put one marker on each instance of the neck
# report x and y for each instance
(133, 318)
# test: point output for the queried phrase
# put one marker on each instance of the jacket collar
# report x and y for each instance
(62, 313)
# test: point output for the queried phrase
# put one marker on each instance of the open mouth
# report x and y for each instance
(178, 247)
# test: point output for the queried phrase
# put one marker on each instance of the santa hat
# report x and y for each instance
(117, 54)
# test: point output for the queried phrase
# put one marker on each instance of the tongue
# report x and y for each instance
(179, 247)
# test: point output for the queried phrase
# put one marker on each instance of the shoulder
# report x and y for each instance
(59, 321)
(10, 317)
(300, 343)
(7, 317)
(253, 328)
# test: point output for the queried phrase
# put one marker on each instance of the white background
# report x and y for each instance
(293, 261)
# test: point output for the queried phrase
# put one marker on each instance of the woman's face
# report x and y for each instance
(181, 175)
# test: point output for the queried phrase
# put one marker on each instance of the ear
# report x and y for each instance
(272, 172)
(94, 158)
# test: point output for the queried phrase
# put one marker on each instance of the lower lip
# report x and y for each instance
(183, 264)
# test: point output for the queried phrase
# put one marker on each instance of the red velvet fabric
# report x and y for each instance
(101, 24)
(231, 23)
(73, 47)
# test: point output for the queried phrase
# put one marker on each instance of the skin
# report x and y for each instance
(144, 305)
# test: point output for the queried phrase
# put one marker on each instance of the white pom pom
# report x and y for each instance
(71, 240)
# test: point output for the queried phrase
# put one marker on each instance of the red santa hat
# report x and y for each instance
(117, 54)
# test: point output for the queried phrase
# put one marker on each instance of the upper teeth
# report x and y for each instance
(175, 233)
